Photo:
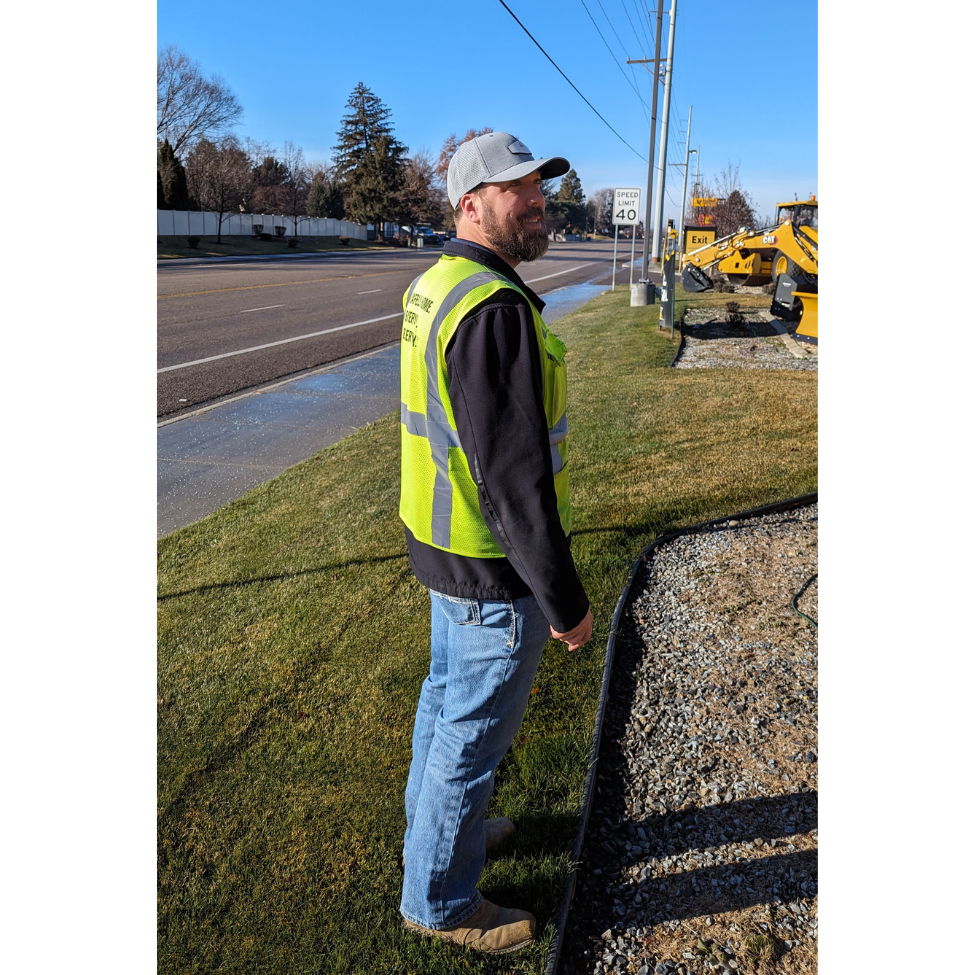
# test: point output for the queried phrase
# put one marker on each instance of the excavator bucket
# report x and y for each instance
(694, 279)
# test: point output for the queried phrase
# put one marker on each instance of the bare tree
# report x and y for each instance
(601, 209)
(190, 107)
(420, 199)
(219, 176)
(733, 206)
(450, 146)
(294, 189)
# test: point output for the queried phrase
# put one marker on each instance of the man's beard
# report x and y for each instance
(524, 244)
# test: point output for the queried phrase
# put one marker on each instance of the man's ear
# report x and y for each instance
(470, 206)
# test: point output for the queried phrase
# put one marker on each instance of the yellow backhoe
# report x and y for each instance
(786, 254)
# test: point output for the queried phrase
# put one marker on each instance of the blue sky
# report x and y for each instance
(751, 78)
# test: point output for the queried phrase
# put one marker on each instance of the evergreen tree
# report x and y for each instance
(324, 197)
(172, 177)
(566, 210)
(368, 160)
(570, 189)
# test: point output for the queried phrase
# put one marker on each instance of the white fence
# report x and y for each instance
(183, 223)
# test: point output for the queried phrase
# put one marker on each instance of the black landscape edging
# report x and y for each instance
(680, 348)
(588, 788)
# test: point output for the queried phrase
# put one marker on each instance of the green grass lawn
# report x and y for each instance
(176, 247)
(293, 639)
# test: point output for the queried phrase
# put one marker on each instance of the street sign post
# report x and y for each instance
(626, 212)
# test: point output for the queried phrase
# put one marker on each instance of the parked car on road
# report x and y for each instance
(431, 240)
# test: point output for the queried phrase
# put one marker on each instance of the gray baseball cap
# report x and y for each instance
(495, 158)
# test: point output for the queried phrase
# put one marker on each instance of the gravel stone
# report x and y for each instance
(704, 823)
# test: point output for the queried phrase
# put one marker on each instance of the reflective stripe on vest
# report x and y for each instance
(556, 435)
(471, 537)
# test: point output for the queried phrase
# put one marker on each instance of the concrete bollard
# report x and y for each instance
(639, 294)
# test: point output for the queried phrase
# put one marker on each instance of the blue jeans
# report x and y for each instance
(484, 656)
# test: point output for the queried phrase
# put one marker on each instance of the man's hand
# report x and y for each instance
(577, 636)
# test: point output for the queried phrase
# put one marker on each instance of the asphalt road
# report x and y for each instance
(223, 327)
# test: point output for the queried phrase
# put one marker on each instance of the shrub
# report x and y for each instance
(279, 231)
(292, 241)
(344, 240)
(193, 241)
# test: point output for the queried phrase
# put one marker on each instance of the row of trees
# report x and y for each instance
(202, 165)
(372, 178)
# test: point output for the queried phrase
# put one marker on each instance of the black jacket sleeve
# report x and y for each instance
(496, 394)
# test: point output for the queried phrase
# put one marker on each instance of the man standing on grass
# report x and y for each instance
(485, 500)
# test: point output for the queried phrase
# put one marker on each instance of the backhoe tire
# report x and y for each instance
(804, 282)
(780, 264)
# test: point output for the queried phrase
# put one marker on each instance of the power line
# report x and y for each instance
(608, 21)
(618, 65)
(564, 75)
(628, 17)
(613, 28)
(643, 27)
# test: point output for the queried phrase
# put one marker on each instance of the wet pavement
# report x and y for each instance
(212, 456)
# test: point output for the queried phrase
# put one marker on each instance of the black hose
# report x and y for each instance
(802, 589)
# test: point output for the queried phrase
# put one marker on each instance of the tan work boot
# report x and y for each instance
(491, 929)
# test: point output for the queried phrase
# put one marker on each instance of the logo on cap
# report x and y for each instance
(519, 148)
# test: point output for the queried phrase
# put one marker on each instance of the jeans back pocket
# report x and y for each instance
(458, 609)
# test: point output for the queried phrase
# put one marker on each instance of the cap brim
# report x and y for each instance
(548, 168)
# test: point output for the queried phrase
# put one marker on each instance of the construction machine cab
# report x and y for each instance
(800, 213)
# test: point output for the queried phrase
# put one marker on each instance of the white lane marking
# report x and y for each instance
(375, 291)
(557, 273)
(262, 308)
(269, 345)
(311, 335)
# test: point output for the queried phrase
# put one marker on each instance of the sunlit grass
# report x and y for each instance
(293, 639)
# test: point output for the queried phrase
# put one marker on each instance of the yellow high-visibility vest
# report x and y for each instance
(438, 495)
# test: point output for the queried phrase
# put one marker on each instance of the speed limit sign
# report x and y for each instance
(626, 206)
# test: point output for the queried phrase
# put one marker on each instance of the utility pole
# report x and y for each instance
(683, 193)
(655, 74)
(662, 167)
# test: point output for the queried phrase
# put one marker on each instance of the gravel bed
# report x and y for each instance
(714, 339)
(701, 846)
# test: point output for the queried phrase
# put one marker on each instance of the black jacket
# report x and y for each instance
(496, 395)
